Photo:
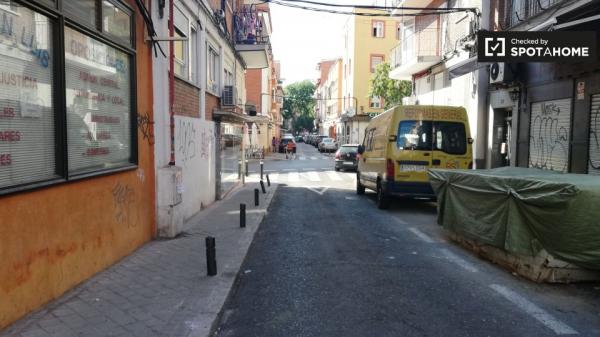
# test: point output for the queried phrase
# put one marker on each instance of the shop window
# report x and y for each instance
(375, 102)
(83, 11)
(96, 121)
(27, 105)
(116, 21)
(98, 105)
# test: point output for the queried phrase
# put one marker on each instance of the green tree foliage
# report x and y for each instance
(299, 104)
(390, 90)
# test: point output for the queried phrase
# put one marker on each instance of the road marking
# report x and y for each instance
(421, 235)
(402, 222)
(293, 176)
(334, 176)
(312, 176)
(274, 176)
(458, 260)
(351, 198)
(313, 158)
(250, 211)
(536, 312)
(302, 158)
(309, 169)
(288, 169)
(316, 190)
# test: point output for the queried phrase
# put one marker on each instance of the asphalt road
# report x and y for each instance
(327, 262)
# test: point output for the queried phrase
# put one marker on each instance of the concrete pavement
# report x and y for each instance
(162, 288)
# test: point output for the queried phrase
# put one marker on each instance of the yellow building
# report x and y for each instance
(368, 41)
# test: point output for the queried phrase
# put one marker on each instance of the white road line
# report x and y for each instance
(274, 177)
(309, 169)
(302, 158)
(458, 260)
(334, 176)
(400, 221)
(536, 312)
(293, 177)
(312, 176)
(288, 169)
(313, 158)
(421, 235)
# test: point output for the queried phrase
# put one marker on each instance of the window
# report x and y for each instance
(378, 29)
(448, 137)
(375, 61)
(368, 141)
(97, 88)
(180, 55)
(212, 71)
(193, 60)
(228, 77)
(375, 102)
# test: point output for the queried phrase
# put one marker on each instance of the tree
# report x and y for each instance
(299, 103)
(391, 91)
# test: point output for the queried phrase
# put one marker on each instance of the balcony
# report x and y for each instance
(518, 11)
(415, 53)
(252, 29)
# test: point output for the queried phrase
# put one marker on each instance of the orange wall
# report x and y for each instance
(56, 237)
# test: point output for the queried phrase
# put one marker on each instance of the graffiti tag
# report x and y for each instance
(595, 140)
(146, 126)
(549, 140)
(186, 140)
(123, 198)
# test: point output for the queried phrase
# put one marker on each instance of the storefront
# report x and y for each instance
(69, 138)
(229, 156)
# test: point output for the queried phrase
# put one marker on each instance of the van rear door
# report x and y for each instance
(413, 150)
(449, 144)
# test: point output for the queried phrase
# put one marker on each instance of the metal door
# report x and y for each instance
(549, 134)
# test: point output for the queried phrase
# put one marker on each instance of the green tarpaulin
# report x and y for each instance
(523, 210)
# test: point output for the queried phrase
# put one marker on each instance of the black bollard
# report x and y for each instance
(261, 169)
(247, 173)
(211, 256)
(262, 186)
(256, 197)
(268, 181)
(242, 215)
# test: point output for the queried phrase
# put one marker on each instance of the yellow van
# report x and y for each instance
(401, 144)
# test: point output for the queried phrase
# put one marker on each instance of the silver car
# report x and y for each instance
(328, 145)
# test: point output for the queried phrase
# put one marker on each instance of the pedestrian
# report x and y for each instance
(274, 143)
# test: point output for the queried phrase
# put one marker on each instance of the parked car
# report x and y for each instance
(328, 145)
(346, 157)
(318, 139)
(283, 143)
(401, 144)
(299, 139)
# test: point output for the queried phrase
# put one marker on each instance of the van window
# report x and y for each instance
(448, 137)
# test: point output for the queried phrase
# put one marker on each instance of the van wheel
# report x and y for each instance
(360, 188)
(383, 201)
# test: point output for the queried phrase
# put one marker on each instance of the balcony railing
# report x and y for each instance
(421, 46)
(517, 11)
(249, 27)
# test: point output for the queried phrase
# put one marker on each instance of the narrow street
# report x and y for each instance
(327, 262)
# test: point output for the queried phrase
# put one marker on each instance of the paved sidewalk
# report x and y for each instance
(162, 288)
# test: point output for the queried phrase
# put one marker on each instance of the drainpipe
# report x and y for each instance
(171, 84)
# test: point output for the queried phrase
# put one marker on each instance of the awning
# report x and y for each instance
(228, 116)
(464, 67)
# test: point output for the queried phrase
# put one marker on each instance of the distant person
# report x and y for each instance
(274, 144)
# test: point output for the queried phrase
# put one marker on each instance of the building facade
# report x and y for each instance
(321, 97)
(200, 92)
(546, 115)
(437, 53)
(76, 148)
(367, 43)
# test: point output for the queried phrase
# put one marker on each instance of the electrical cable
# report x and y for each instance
(461, 9)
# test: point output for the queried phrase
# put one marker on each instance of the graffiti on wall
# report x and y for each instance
(594, 161)
(549, 139)
(123, 198)
(206, 140)
(146, 127)
(186, 140)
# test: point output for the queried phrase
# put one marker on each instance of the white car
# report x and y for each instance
(328, 145)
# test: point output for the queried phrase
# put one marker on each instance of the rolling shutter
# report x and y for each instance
(594, 145)
(549, 134)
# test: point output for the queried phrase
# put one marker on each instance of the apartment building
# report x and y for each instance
(200, 99)
(321, 94)
(437, 53)
(552, 120)
(367, 43)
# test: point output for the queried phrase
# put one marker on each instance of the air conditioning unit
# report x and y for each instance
(500, 73)
(228, 97)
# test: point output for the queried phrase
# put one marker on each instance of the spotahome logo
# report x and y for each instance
(537, 47)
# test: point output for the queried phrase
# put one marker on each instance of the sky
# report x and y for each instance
(302, 38)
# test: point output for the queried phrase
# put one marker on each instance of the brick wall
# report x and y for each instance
(253, 87)
(187, 99)
(212, 103)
